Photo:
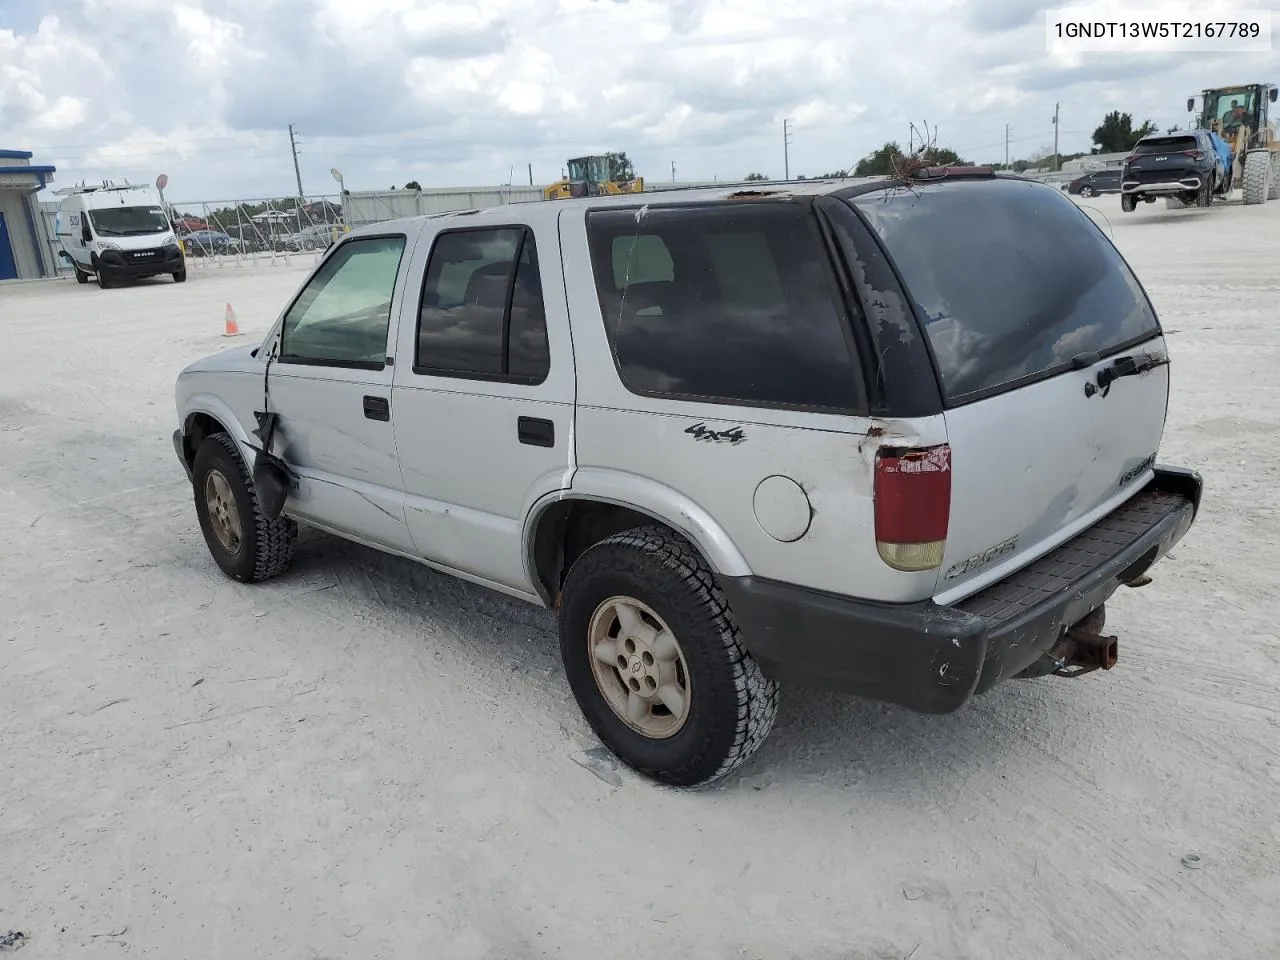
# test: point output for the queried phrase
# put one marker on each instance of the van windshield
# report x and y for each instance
(129, 221)
(1012, 278)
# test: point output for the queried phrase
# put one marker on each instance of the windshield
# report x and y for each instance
(1231, 109)
(129, 221)
(1011, 278)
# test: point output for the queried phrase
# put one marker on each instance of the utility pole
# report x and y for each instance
(786, 154)
(1055, 135)
(1006, 146)
(297, 171)
(673, 171)
(531, 174)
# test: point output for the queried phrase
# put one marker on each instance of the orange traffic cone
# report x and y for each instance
(231, 328)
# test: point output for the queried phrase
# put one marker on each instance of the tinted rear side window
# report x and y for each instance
(1012, 279)
(727, 303)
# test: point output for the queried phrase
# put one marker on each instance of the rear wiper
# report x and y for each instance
(1130, 366)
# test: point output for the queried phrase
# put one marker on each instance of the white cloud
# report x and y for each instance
(461, 92)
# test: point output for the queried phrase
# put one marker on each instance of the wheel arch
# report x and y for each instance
(560, 526)
(204, 416)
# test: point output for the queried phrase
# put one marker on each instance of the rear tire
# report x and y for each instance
(180, 276)
(245, 544)
(1128, 202)
(1086, 191)
(1274, 192)
(645, 599)
(1204, 196)
(1257, 181)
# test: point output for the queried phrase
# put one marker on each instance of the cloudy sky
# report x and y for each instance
(452, 93)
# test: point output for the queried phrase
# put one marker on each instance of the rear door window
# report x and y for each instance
(1013, 280)
(728, 303)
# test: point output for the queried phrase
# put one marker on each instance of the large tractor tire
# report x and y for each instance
(1274, 192)
(1258, 180)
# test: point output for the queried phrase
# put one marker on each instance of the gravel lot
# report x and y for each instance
(365, 759)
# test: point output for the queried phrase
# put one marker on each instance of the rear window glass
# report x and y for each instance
(727, 303)
(1167, 145)
(1013, 280)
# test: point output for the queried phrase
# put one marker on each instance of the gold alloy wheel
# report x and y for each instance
(224, 515)
(639, 667)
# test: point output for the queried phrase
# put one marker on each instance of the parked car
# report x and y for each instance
(1094, 183)
(1188, 167)
(734, 439)
(204, 242)
(316, 237)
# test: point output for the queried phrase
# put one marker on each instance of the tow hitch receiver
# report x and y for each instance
(1084, 648)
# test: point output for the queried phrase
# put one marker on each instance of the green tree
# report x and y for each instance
(620, 168)
(1116, 133)
(413, 185)
(755, 176)
(881, 163)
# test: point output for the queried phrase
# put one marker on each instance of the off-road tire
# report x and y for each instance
(1274, 192)
(1254, 186)
(266, 548)
(1128, 202)
(732, 705)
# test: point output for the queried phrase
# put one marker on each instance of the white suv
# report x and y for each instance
(899, 440)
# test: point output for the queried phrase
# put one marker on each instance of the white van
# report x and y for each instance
(117, 233)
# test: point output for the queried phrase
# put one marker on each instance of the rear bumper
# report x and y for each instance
(934, 659)
(1182, 185)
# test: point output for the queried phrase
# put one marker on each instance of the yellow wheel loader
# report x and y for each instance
(1239, 115)
(591, 177)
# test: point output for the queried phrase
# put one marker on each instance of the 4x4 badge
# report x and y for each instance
(734, 435)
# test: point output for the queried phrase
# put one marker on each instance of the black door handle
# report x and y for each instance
(536, 432)
(377, 408)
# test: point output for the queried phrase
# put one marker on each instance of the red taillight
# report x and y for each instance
(1194, 154)
(912, 506)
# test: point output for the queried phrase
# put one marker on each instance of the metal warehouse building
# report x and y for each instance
(25, 250)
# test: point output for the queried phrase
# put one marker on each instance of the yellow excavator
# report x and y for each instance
(591, 177)
(1239, 115)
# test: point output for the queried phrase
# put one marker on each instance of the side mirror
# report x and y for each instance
(1272, 95)
(1191, 104)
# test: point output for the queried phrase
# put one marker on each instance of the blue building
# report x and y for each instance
(26, 251)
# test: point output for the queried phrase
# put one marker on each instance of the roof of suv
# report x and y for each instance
(527, 209)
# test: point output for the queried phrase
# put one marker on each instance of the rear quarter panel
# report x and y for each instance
(711, 458)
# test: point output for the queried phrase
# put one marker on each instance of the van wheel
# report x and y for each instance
(180, 276)
(656, 663)
(104, 282)
(245, 544)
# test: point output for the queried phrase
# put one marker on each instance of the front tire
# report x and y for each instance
(180, 276)
(1255, 185)
(1086, 191)
(245, 544)
(656, 662)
